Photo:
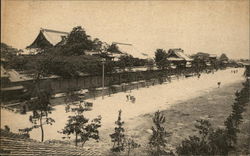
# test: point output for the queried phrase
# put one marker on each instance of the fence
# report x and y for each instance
(59, 85)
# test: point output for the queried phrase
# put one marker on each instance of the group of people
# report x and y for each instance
(234, 71)
(130, 98)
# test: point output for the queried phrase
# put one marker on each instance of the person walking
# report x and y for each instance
(128, 97)
(218, 83)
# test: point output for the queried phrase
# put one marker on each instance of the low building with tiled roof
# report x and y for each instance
(13, 144)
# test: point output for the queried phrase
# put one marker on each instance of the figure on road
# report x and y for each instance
(218, 83)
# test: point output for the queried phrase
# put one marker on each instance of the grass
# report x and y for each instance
(214, 106)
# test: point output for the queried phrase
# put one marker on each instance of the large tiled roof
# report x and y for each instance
(12, 144)
(48, 37)
(53, 36)
(131, 50)
(180, 54)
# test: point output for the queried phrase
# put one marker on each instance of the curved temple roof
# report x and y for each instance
(53, 36)
(48, 37)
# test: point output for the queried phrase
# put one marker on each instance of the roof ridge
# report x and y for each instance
(177, 52)
(54, 31)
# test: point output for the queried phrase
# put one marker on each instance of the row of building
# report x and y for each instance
(50, 38)
(13, 82)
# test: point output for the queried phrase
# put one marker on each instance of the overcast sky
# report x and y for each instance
(196, 26)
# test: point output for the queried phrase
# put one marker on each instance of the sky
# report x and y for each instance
(195, 26)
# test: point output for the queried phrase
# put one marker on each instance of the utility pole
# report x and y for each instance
(103, 79)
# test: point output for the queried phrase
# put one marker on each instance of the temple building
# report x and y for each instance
(48, 38)
(178, 58)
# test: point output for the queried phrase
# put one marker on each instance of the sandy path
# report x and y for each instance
(147, 100)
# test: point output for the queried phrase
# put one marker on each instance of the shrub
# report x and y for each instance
(78, 124)
(217, 141)
(118, 137)
(158, 139)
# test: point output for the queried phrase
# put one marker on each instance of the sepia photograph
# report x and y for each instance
(125, 78)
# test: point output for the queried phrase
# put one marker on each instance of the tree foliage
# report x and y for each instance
(78, 124)
(77, 42)
(217, 141)
(7, 51)
(150, 64)
(118, 137)
(97, 45)
(41, 108)
(158, 140)
(235, 118)
(210, 142)
(161, 59)
(223, 57)
(200, 59)
(113, 48)
(128, 61)
(130, 145)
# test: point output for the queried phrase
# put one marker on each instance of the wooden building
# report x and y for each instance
(178, 58)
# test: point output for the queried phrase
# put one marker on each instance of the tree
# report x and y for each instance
(7, 128)
(131, 144)
(235, 118)
(210, 142)
(78, 124)
(161, 59)
(118, 137)
(97, 45)
(25, 132)
(158, 139)
(199, 60)
(150, 64)
(40, 105)
(217, 141)
(223, 57)
(41, 108)
(77, 42)
(7, 51)
(77, 35)
(113, 48)
(92, 90)
(125, 61)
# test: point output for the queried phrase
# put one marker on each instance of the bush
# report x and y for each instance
(217, 141)
(158, 139)
(210, 141)
(118, 137)
(78, 125)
